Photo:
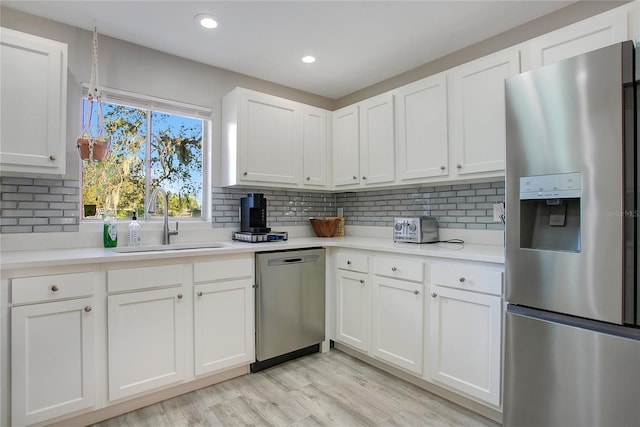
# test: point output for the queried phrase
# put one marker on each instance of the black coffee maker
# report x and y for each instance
(253, 213)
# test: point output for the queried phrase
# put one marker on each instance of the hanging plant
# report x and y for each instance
(94, 144)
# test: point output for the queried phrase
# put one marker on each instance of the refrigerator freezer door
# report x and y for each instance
(562, 375)
(567, 118)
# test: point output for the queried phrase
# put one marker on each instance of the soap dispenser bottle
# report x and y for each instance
(135, 232)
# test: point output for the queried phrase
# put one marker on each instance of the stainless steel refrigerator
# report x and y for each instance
(572, 350)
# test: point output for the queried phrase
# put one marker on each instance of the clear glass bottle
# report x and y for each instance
(135, 232)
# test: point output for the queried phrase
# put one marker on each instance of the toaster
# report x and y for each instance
(422, 229)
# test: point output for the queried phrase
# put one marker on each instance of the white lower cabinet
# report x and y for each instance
(466, 330)
(223, 314)
(397, 318)
(353, 306)
(146, 330)
(52, 360)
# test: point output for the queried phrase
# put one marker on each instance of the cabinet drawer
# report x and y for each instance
(50, 288)
(399, 268)
(353, 262)
(132, 279)
(468, 277)
(222, 270)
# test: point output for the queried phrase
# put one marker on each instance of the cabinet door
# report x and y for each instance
(478, 127)
(52, 360)
(33, 105)
(270, 139)
(352, 309)
(421, 117)
(377, 139)
(465, 343)
(346, 146)
(581, 37)
(397, 335)
(314, 157)
(223, 325)
(146, 341)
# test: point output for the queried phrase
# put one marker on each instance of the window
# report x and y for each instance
(150, 148)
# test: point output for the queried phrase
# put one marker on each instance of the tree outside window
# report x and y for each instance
(149, 149)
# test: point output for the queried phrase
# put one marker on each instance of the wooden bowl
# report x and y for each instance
(325, 227)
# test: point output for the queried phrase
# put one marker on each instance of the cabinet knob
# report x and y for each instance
(200, 293)
(442, 168)
(308, 178)
(361, 282)
(394, 269)
(416, 292)
(54, 288)
(53, 157)
(245, 173)
(433, 294)
(88, 308)
(459, 166)
(364, 177)
(348, 262)
(179, 296)
(462, 279)
(355, 177)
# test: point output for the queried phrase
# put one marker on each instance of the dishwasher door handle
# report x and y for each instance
(296, 260)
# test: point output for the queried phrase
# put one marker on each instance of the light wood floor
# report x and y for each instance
(331, 389)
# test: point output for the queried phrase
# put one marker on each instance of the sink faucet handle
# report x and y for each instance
(174, 232)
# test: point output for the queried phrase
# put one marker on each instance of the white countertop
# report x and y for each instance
(57, 257)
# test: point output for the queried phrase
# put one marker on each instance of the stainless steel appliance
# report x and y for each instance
(253, 213)
(422, 229)
(290, 305)
(572, 325)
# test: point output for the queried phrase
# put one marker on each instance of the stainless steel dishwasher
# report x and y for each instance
(290, 305)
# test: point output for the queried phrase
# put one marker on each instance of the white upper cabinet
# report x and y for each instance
(477, 114)
(581, 37)
(377, 139)
(364, 143)
(314, 146)
(421, 125)
(346, 146)
(33, 104)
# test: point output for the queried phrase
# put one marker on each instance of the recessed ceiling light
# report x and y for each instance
(206, 20)
(309, 59)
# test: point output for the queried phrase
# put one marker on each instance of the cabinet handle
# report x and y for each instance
(308, 178)
(462, 279)
(54, 288)
(355, 177)
(200, 293)
(364, 177)
(416, 292)
(442, 168)
(459, 166)
(52, 157)
(361, 282)
(394, 269)
(348, 262)
(433, 294)
(88, 308)
(179, 296)
(245, 173)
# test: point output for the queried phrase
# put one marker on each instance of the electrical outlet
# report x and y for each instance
(498, 212)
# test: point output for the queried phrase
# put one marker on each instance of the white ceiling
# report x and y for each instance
(357, 43)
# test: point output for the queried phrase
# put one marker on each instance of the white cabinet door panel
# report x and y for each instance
(146, 341)
(315, 141)
(377, 139)
(346, 146)
(353, 303)
(52, 360)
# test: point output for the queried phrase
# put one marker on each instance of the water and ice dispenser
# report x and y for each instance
(550, 212)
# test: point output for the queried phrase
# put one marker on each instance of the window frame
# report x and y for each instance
(160, 105)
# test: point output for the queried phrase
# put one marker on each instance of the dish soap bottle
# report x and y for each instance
(135, 233)
(110, 232)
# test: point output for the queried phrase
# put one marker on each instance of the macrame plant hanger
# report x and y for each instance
(94, 144)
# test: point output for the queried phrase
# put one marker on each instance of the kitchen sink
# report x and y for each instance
(173, 247)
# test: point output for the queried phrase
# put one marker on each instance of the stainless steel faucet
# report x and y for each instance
(166, 233)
